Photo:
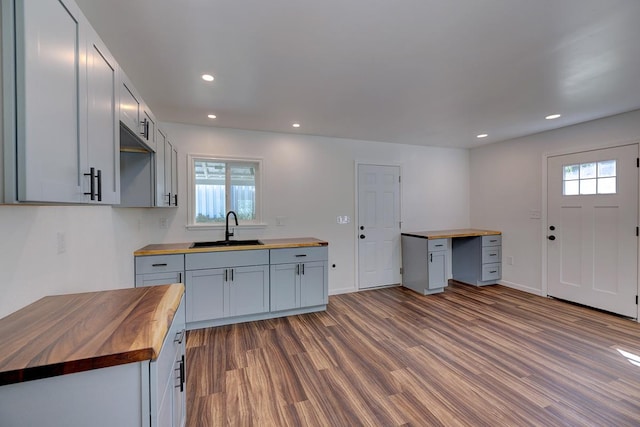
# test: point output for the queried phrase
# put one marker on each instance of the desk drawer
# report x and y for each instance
(495, 240)
(491, 254)
(491, 271)
(436, 245)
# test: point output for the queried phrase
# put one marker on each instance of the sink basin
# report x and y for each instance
(219, 243)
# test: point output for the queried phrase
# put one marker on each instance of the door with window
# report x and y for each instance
(592, 212)
(378, 225)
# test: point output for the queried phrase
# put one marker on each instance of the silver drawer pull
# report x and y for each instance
(300, 256)
(493, 271)
(159, 265)
(438, 246)
(493, 254)
(179, 337)
(493, 241)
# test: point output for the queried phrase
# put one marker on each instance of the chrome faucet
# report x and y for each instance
(228, 233)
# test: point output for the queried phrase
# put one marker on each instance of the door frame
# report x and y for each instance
(356, 233)
(544, 220)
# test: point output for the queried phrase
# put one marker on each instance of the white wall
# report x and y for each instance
(506, 185)
(309, 180)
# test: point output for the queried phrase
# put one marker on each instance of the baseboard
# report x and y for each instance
(520, 287)
(342, 291)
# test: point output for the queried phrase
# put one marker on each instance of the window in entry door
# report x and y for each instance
(589, 178)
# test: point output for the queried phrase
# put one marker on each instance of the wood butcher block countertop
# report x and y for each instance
(184, 248)
(64, 334)
(448, 234)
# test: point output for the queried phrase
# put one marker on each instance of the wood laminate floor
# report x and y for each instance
(469, 356)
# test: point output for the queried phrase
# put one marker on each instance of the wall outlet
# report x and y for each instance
(509, 260)
(281, 221)
(164, 224)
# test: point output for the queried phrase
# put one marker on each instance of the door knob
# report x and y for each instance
(362, 236)
(552, 237)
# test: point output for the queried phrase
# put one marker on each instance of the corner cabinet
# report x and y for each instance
(298, 278)
(64, 141)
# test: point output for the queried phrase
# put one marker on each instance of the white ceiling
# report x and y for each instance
(426, 72)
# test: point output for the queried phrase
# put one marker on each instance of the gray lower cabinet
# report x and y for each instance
(299, 277)
(424, 264)
(238, 286)
(151, 393)
(159, 270)
(223, 287)
(477, 260)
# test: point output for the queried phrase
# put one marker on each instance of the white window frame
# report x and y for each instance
(191, 193)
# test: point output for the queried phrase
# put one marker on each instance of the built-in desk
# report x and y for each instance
(476, 258)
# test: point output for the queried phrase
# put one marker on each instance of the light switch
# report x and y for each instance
(343, 219)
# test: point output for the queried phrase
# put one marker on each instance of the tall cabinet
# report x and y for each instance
(62, 98)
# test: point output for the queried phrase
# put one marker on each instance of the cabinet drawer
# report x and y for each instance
(225, 259)
(494, 240)
(436, 245)
(492, 271)
(491, 254)
(159, 263)
(292, 255)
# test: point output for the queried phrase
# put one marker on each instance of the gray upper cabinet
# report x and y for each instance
(103, 139)
(129, 106)
(59, 115)
(166, 172)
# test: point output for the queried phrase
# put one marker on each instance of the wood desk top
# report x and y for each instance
(64, 334)
(184, 248)
(448, 234)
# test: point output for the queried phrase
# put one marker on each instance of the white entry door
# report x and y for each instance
(592, 211)
(378, 225)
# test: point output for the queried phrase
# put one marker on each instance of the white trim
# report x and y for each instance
(356, 219)
(521, 287)
(258, 223)
(343, 291)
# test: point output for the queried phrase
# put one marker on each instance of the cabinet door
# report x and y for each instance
(129, 107)
(151, 279)
(248, 290)
(168, 194)
(103, 134)
(285, 287)
(160, 156)
(437, 269)
(174, 175)
(179, 392)
(148, 128)
(51, 100)
(205, 294)
(313, 284)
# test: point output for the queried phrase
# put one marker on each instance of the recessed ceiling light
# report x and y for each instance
(553, 116)
(296, 125)
(212, 116)
(482, 135)
(207, 77)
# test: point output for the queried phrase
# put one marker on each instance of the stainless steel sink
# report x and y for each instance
(219, 243)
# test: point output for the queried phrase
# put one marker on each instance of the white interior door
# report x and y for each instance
(592, 211)
(378, 225)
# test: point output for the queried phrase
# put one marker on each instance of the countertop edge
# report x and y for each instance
(449, 234)
(187, 250)
(159, 325)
